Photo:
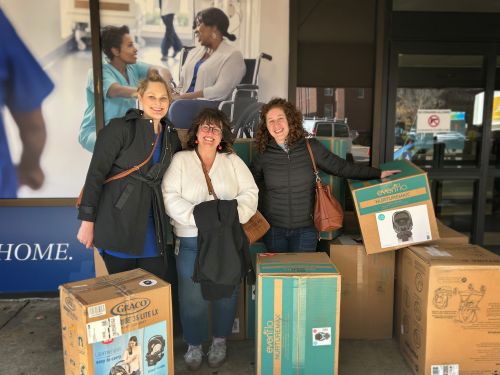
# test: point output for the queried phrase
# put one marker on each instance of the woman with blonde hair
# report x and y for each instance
(125, 218)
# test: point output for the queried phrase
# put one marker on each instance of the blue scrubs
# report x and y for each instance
(23, 87)
(113, 107)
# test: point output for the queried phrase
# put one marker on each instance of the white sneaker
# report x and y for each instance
(217, 353)
(193, 357)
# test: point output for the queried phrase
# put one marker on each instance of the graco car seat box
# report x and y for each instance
(367, 286)
(298, 300)
(397, 211)
(450, 310)
(118, 323)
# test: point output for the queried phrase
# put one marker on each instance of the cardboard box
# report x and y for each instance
(450, 236)
(395, 212)
(250, 294)
(367, 290)
(100, 316)
(446, 236)
(298, 301)
(99, 265)
(450, 310)
(245, 149)
(238, 331)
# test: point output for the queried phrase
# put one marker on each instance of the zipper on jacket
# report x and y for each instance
(289, 190)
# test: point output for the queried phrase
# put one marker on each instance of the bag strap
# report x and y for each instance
(211, 190)
(125, 173)
(136, 167)
(313, 161)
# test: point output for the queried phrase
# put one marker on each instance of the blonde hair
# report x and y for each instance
(154, 76)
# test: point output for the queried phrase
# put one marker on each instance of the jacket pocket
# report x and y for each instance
(124, 196)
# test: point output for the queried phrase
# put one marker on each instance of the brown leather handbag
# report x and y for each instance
(124, 173)
(256, 227)
(328, 213)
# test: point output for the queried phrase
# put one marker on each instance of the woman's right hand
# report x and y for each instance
(86, 234)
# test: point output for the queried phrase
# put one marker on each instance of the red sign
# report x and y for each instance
(433, 121)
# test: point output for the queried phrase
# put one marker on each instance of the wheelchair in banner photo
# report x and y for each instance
(242, 108)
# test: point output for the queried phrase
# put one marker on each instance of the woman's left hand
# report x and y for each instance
(386, 174)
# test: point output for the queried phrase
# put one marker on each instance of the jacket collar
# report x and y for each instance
(136, 114)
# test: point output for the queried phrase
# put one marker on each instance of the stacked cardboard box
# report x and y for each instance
(367, 286)
(395, 212)
(450, 309)
(250, 294)
(298, 298)
(105, 318)
(447, 236)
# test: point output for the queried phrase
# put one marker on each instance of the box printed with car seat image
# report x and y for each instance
(410, 225)
(138, 352)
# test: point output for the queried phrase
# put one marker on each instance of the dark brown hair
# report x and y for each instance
(112, 37)
(293, 117)
(154, 76)
(214, 117)
(214, 17)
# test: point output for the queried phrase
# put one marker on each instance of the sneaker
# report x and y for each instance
(217, 353)
(164, 58)
(193, 357)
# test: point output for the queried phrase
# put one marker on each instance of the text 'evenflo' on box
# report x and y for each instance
(117, 324)
(298, 299)
(397, 211)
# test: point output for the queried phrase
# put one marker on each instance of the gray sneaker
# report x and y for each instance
(193, 357)
(217, 354)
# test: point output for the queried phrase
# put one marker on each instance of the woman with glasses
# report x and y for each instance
(211, 71)
(125, 218)
(186, 194)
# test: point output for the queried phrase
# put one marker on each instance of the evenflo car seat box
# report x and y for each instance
(117, 324)
(397, 211)
(450, 310)
(298, 300)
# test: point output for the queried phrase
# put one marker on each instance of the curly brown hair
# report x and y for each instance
(293, 117)
(212, 116)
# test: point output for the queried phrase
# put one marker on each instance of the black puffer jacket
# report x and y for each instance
(120, 208)
(286, 180)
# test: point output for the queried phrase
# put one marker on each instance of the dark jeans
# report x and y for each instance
(170, 39)
(182, 112)
(282, 240)
(193, 308)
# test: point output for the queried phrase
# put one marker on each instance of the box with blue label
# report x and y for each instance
(298, 309)
(395, 212)
(250, 294)
(117, 324)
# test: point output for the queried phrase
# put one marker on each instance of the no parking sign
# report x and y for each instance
(433, 120)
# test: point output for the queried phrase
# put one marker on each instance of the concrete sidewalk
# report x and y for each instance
(31, 345)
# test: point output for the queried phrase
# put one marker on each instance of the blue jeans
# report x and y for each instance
(170, 39)
(193, 308)
(182, 112)
(282, 240)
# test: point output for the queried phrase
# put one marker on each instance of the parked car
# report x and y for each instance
(331, 127)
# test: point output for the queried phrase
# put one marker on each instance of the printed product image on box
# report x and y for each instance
(410, 224)
(140, 350)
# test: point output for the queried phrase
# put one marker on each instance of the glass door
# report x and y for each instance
(435, 120)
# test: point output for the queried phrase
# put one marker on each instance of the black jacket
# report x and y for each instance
(222, 248)
(120, 208)
(286, 180)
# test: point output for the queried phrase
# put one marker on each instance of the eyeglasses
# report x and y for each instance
(207, 128)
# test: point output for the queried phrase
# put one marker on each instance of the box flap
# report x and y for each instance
(407, 169)
(450, 255)
(295, 263)
(122, 284)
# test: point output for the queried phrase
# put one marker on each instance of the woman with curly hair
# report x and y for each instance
(284, 174)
